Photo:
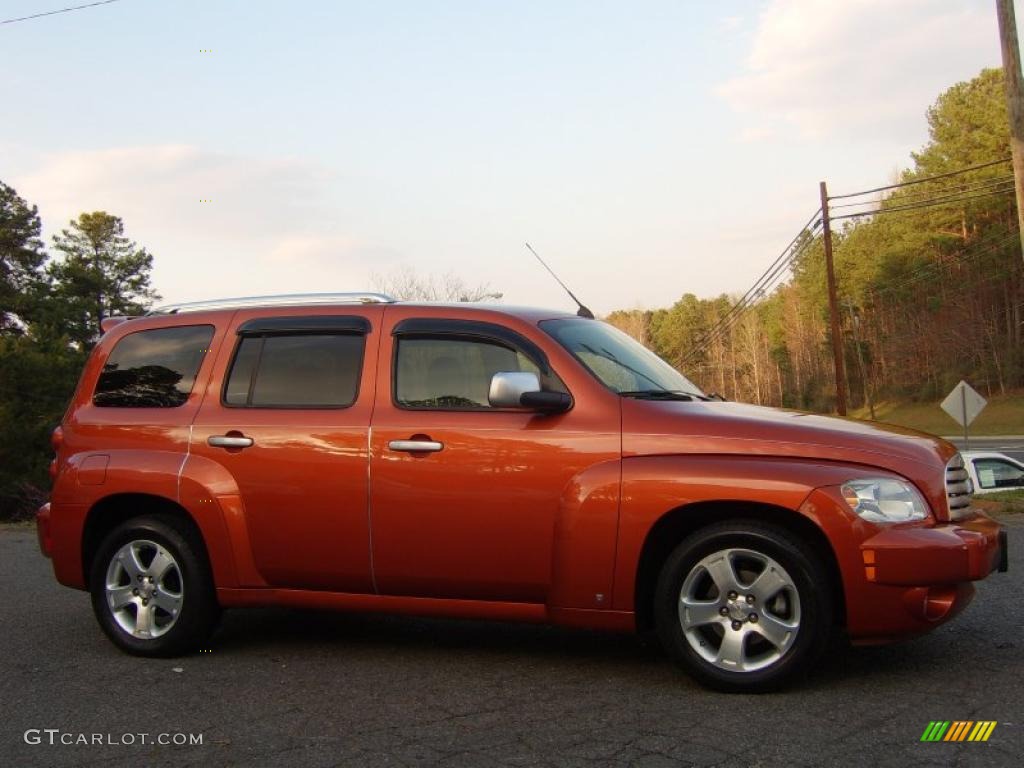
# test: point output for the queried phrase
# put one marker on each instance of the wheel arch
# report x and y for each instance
(680, 522)
(111, 511)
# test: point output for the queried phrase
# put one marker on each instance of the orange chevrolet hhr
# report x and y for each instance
(349, 452)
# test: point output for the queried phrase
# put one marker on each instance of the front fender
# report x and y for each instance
(654, 486)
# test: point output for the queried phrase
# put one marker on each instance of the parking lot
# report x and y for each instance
(290, 688)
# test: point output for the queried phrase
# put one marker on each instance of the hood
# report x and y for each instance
(666, 427)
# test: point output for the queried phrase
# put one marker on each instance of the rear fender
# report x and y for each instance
(92, 478)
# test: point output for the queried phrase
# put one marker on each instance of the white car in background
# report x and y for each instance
(993, 472)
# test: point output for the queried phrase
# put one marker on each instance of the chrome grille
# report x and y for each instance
(958, 488)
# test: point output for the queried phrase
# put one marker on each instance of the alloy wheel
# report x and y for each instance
(739, 610)
(144, 589)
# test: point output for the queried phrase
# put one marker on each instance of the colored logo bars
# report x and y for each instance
(958, 730)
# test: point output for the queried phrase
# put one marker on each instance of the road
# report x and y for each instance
(1011, 446)
(293, 688)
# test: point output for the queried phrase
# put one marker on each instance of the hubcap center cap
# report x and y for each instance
(738, 609)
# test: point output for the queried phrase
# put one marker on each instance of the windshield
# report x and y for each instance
(621, 363)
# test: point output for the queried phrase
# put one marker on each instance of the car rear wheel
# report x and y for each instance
(743, 606)
(152, 592)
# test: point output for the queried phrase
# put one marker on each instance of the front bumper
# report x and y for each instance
(950, 553)
(905, 580)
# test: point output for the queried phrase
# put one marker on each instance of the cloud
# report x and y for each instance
(217, 223)
(839, 68)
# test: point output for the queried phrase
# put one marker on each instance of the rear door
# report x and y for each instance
(287, 414)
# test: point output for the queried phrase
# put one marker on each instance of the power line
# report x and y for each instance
(949, 200)
(971, 187)
(59, 10)
(991, 242)
(754, 291)
(739, 310)
(924, 180)
(767, 280)
(994, 243)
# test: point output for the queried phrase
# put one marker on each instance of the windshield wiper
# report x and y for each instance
(659, 394)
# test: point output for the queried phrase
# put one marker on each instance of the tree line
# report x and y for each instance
(931, 289)
(50, 314)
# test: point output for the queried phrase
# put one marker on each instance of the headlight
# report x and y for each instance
(884, 500)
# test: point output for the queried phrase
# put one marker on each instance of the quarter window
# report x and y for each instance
(153, 369)
(455, 373)
(296, 371)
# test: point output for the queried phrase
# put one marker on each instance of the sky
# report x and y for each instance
(646, 149)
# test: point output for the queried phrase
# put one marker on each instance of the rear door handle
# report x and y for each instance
(416, 446)
(229, 441)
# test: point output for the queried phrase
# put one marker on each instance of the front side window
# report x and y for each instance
(996, 473)
(617, 360)
(153, 369)
(455, 373)
(296, 371)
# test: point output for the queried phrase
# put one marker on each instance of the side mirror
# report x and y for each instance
(521, 389)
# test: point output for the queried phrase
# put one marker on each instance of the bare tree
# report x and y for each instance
(404, 283)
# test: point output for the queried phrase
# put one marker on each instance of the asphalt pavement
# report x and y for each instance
(281, 687)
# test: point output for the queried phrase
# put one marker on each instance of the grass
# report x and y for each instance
(1002, 416)
(1008, 496)
(1001, 503)
(1004, 502)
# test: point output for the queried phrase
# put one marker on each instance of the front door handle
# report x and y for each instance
(229, 441)
(416, 446)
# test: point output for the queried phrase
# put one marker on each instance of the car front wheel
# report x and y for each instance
(743, 606)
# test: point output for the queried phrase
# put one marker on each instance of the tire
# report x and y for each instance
(743, 606)
(152, 591)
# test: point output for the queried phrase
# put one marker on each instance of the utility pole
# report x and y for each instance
(1014, 83)
(833, 308)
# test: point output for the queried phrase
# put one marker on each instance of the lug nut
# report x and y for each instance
(135, 592)
(733, 595)
(750, 599)
(724, 611)
(737, 624)
(753, 618)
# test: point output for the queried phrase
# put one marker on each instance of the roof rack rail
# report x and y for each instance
(279, 300)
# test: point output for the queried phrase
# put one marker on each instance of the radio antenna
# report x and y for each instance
(582, 311)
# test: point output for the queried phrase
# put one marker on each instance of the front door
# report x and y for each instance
(288, 416)
(465, 497)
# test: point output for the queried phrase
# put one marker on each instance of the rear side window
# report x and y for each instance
(305, 370)
(153, 369)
